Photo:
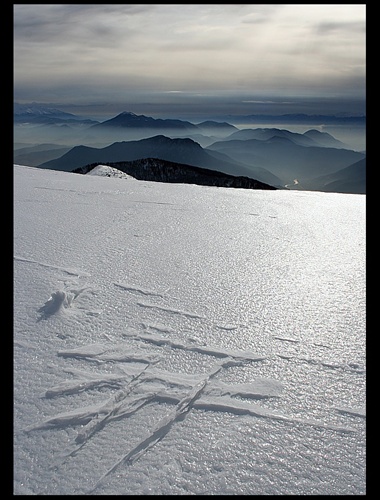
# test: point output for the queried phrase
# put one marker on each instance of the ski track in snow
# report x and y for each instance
(211, 351)
(127, 375)
(350, 367)
(139, 290)
(170, 310)
(356, 412)
(187, 314)
(138, 386)
(71, 272)
(287, 339)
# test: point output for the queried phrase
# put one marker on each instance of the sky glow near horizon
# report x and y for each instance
(259, 56)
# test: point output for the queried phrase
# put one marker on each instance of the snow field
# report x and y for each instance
(181, 339)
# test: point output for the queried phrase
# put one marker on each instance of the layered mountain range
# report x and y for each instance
(184, 151)
(312, 160)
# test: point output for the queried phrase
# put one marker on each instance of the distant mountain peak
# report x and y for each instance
(127, 119)
(128, 113)
(38, 109)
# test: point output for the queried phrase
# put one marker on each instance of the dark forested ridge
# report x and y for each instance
(154, 169)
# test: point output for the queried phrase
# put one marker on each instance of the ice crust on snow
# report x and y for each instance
(167, 342)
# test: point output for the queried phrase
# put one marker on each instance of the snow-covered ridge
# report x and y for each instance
(106, 171)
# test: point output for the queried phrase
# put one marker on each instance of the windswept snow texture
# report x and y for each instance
(175, 339)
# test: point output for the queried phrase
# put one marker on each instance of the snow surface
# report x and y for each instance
(107, 171)
(181, 339)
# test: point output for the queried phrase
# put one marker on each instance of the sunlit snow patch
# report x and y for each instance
(105, 171)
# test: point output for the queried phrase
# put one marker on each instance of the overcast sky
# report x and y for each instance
(240, 56)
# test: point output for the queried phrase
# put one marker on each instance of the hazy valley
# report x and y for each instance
(278, 157)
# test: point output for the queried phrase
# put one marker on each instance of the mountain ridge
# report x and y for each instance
(180, 150)
(157, 170)
(275, 156)
(286, 159)
(127, 119)
(311, 137)
(350, 179)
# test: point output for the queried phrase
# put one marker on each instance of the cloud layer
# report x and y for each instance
(80, 53)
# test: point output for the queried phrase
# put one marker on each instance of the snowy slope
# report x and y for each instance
(182, 339)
